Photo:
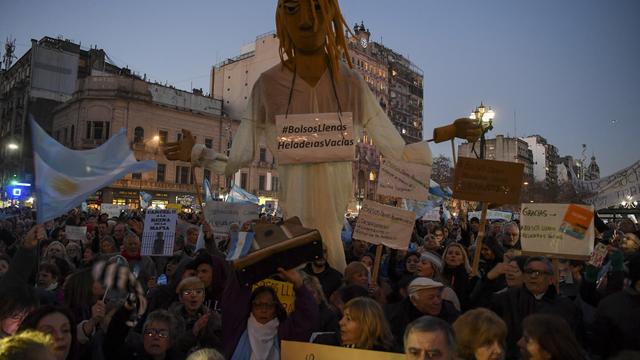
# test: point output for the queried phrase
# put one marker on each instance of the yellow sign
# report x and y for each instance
(178, 207)
(293, 350)
(284, 290)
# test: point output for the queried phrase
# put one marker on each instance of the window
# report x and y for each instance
(207, 174)
(97, 130)
(182, 174)
(164, 136)
(261, 182)
(160, 172)
(263, 154)
(243, 180)
(208, 143)
(138, 135)
(274, 183)
(179, 136)
(136, 176)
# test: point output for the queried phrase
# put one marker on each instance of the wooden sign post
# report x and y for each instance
(487, 181)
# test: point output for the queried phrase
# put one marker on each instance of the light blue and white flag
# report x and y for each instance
(200, 243)
(240, 195)
(207, 190)
(437, 190)
(65, 177)
(145, 199)
(240, 245)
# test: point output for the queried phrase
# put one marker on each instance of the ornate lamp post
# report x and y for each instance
(485, 116)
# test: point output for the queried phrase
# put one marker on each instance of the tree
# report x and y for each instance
(442, 171)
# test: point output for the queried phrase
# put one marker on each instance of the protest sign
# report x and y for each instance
(76, 232)
(222, 214)
(492, 215)
(558, 230)
(432, 215)
(159, 232)
(283, 289)
(382, 224)
(487, 180)
(404, 180)
(613, 189)
(176, 207)
(314, 138)
(112, 210)
(293, 350)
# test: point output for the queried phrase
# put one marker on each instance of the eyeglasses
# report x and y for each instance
(536, 273)
(264, 306)
(188, 292)
(161, 333)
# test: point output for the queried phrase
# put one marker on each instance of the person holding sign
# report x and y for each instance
(313, 82)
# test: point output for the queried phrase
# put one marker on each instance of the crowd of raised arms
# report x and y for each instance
(99, 298)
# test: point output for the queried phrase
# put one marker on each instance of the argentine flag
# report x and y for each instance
(145, 199)
(240, 245)
(65, 177)
(240, 195)
(207, 190)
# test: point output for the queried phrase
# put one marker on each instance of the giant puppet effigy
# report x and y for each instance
(313, 80)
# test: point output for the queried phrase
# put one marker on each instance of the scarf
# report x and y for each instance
(131, 258)
(263, 339)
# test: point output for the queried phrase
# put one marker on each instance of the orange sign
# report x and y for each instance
(488, 180)
(576, 221)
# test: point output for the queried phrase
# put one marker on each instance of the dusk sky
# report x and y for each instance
(567, 70)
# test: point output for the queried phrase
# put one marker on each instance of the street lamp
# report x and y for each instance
(12, 146)
(485, 117)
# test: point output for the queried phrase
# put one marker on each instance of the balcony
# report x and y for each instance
(152, 185)
(265, 193)
(92, 143)
(265, 165)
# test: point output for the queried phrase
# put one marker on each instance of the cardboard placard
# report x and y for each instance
(382, 224)
(177, 207)
(222, 214)
(284, 290)
(542, 232)
(112, 210)
(488, 180)
(159, 232)
(314, 138)
(404, 180)
(432, 215)
(76, 232)
(294, 350)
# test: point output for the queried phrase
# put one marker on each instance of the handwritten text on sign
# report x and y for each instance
(542, 230)
(76, 232)
(382, 224)
(487, 180)
(159, 232)
(404, 180)
(222, 214)
(284, 291)
(314, 138)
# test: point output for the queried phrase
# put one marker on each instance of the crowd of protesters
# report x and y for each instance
(99, 298)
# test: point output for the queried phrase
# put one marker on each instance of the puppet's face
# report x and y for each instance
(306, 23)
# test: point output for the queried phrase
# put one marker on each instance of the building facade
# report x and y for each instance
(545, 160)
(153, 115)
(503, 149)
(40, 80)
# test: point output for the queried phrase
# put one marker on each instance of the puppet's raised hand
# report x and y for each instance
(463, 128)
(181, 149)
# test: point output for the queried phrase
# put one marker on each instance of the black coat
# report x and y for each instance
(330, 278)
(401, 314)
(515, 304)
(617, 324)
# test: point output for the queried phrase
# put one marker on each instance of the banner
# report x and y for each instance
(624, 185)
(382, 224)
(159, 232)
(284, 290)
(314, 138)
(557, 229)
(222, 214)
(404, 180)
(76, 232)
(112, 210)
(488, 181)
(492, 215)
(293, 350)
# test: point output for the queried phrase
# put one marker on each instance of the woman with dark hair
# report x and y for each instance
(255, 322)
(548, 337)
(59, 323)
